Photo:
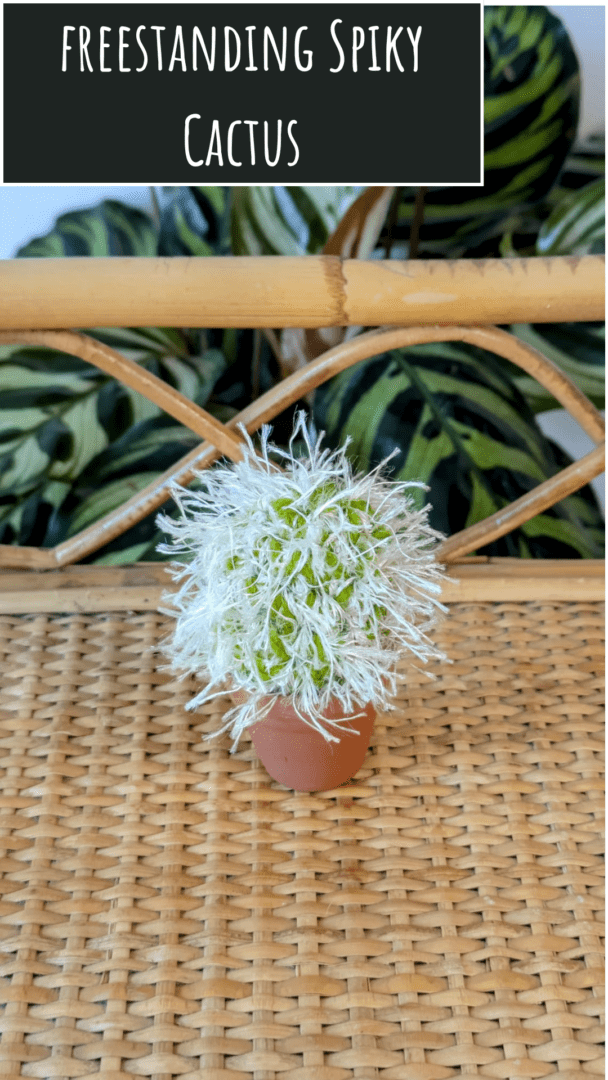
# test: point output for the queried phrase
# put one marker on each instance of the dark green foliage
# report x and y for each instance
(578, 348)
(111, 228)
(577, 225)
(585, 162)
(61, 431)
(286, 221)
(454, 420)
(531, 104)
(55, 439)
(194, 221)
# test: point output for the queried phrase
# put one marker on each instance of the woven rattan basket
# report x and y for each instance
(166, 910)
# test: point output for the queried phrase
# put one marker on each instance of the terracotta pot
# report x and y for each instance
(299, 757)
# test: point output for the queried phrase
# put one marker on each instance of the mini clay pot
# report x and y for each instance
(299, 757)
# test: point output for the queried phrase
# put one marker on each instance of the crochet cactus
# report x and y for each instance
(307, 582)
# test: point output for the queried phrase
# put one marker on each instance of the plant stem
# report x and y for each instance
(155, 207)
(417, 222)
(391, 222)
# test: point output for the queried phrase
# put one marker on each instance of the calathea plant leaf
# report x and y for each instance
(531, 103)
(52, 424)
(460, 425)
(129, 464)
(577, 224)
(286, 221)
(110, 228)
(59, 414)
(58, 430)
(584, 167)
(194, 220)
(578, 348)
(575, 227)
(585, 162)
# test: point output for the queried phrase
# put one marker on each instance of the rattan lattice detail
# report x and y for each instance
(220, 438)
(167, 911)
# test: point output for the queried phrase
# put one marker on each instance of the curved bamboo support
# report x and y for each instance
(305, 291)
(290, 390)
(136, 377)
(374, 342)
(543, 496)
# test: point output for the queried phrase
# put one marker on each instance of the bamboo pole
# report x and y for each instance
(140, 587)
(309, 291)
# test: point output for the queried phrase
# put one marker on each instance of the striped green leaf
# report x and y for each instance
(44, 512)
(577, 224)
(531, 104)
(249, 220)
(71, 438)
(110, 228)
(457, 422)
(194, 220)
(54, 424)
(585, 162)
(286, 221)
(144, 452)
(575, 227)
(578, 348)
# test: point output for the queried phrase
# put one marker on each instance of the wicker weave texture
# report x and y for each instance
(167, 911)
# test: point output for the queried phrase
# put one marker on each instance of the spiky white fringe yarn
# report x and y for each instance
(308, 583)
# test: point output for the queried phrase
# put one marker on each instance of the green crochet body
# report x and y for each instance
(290, 522)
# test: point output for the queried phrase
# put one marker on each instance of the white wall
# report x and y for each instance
(587, 28)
